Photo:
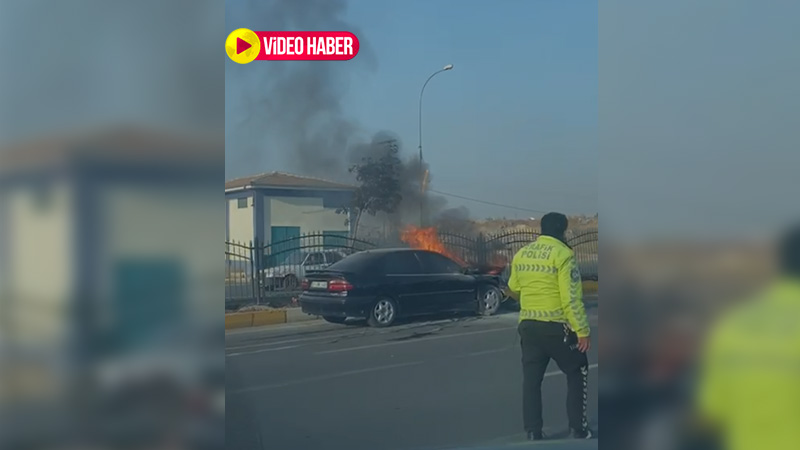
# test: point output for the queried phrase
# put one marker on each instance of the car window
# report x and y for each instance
(294, 258)
(332, 257)
(436, 263)
(357, 262)
(315, 259)
(401, 263)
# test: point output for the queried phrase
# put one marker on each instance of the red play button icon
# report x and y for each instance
(241, 45)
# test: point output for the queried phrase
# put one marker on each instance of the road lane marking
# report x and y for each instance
(411, 341)
(349, 333)
(291, 341)
(325, 377)
(486, 352)
(552, 374)
(261, 351)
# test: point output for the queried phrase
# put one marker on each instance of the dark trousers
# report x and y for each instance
(542, 341)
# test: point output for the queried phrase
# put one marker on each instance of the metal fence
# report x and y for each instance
(258, 273)
(499, 249)
(271, 272)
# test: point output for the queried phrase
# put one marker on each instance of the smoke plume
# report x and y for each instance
(295, 111)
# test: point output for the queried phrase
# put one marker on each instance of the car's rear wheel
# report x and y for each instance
(335, 319)
(383, 313)
(489, 300)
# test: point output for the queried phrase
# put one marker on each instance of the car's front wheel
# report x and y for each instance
(490, 298)
(383, 313)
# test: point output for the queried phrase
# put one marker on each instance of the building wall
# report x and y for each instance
(240, 220)
(165, 225)
(306, 212)
(39, 259)
(4, 240)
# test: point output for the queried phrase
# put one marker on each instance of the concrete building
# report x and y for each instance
(102, 233)
(276, 206)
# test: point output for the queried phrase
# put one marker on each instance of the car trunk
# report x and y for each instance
(319, 281)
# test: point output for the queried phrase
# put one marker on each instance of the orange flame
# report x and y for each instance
(427, 239)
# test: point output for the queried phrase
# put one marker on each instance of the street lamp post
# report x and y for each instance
(422, 171)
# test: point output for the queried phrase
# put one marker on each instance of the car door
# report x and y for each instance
(404, 281)
(453, 290)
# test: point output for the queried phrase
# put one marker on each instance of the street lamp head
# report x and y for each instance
(448, 67)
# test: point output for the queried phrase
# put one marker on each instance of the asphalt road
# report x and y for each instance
(438, 384)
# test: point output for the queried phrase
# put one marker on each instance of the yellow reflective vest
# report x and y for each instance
(548, 280)
(750, 382)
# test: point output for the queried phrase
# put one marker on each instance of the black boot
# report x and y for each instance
(535, 436)
(585, 433)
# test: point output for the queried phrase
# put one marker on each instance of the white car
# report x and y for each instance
(292, 270)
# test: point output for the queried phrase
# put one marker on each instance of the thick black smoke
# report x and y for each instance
(299, 106)
(294, 108)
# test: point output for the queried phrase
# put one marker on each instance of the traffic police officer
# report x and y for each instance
(547, 282)
(749, 393)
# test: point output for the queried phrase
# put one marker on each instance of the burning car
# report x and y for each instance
(384, 285)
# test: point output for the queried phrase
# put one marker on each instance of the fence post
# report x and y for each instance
(480, 247)
(255, 263)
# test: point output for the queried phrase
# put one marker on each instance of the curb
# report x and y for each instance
(254, 319)
(261, 318)
(279, 316)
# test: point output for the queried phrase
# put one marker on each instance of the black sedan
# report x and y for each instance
(384, 285)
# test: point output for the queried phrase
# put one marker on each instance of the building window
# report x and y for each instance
(147, 298)
(242, 203)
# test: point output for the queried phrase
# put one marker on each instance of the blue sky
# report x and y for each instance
(699, 118)
(697, 101)
(515, 122)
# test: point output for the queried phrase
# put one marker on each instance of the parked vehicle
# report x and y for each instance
(293, 268)
(387, 284)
